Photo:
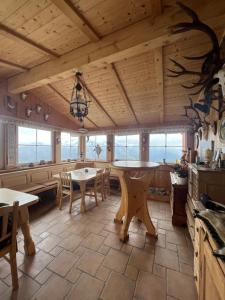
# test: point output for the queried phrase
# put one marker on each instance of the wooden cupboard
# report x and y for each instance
(178, 199)
(209, 271)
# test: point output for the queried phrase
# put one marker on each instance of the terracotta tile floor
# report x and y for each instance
(79, 256)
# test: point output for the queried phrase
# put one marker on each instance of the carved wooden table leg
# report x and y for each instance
(29, 245)
(134, 202)
(82, 190)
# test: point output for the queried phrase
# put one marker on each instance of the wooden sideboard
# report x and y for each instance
(178, 199)
(203, 180)
(209, 271)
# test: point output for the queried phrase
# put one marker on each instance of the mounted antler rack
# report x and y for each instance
(196, 120)
(212, 63)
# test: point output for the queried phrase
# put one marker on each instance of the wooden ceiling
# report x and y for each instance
(122, 46)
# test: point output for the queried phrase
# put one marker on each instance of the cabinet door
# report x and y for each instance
(212, 286)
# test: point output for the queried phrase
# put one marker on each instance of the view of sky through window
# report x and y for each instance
(34, 145)
(127, 147)
(166, 146)
(69, 146)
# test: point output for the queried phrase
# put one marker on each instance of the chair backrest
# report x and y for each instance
(8, 223)
(106, 173)
(99, 179)
(65, 180)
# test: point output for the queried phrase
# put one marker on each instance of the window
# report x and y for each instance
(165, 146)
(93, 143)
(127, 147)
(34, 145)
(69, 146)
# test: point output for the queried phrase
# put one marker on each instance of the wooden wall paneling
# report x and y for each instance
(159, 71)
(8, 64)
(109, 16)
(135, 39)
(76, 17)
(139, 79)
(122, 91)
(17, 37)
(102, 83)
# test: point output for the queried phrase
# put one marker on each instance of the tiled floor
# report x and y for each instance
(81, 257)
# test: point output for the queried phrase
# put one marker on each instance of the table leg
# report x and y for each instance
(82, 190)
(134, 203)
(29, 245)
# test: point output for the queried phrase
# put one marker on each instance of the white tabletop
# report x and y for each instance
(82, 175)
(9, 196)
(135, 165)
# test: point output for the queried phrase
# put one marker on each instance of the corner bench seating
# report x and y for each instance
(40, 179)
(35, 180)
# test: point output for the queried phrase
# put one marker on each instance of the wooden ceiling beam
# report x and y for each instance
(8, 64)
(68, 102)
(67, 8)
(122, 90)
(128, 42)
(19, 38)
(99, 105)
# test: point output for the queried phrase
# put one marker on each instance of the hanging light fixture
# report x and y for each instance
(80, 99)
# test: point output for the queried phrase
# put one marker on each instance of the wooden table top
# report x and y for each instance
(134, 165)
(80, 174)
(9, 196)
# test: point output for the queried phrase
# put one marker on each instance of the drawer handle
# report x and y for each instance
(196, 277)
(197, 229)
(196, 253)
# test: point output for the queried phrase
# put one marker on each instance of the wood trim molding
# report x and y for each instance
(122, 90)
(19, 38)
(67, 101)
(135, 39)
(68, 9)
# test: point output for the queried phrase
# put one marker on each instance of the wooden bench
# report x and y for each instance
(35, 180)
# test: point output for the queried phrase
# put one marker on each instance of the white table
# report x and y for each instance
(9, 196)
(135, 177)
(81, 177)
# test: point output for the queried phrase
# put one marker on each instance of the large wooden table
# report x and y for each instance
(135, 177)
(81, 177)
(9, 196)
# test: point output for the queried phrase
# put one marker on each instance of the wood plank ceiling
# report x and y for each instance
(129, 86)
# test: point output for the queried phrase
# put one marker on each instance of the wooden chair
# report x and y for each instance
(8, 243)
(106, 182)
(92, 189)
(66, 189)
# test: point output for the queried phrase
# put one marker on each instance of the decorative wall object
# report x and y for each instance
(213, 126)
(46, 116)
(98, 150)
(212, 63)
(23, 96)
(222, 130)
(28, 112)
(10, 104)
(38, 108)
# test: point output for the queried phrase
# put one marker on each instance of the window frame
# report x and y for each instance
(35, 163)
(165, 146)
(71, 135)
(96, 159)
(126, 135)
